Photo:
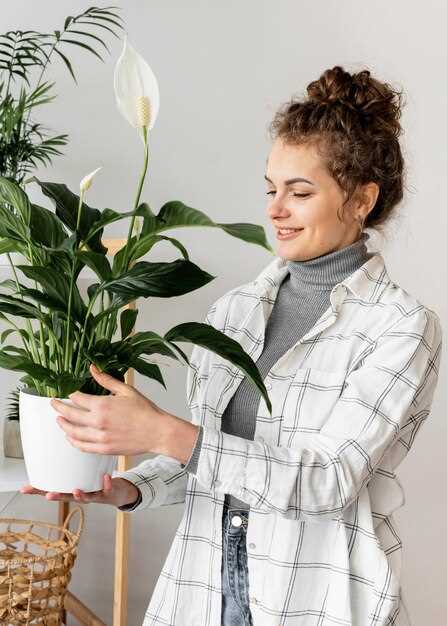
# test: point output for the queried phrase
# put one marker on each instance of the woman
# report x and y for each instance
(288, 517)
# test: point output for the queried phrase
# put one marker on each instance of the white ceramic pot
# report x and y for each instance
(52, 462)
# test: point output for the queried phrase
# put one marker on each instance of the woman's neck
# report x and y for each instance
(325, 271)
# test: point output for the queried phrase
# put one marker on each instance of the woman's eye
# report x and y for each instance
(298, 195)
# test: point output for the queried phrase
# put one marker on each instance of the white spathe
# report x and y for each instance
(52, 462)
(136, 86)
(86, 182)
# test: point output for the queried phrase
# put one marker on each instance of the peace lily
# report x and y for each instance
(136, 89)
(86, 182)
(138, 99)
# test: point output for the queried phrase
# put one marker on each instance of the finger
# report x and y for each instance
(57, 495)
(108, 485)
(30, 489)
(72, 413)
(84, 400)
(98, 448)
(109, 382)
(80, 433)
(82, 496)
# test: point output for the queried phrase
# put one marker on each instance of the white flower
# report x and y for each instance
(136, 88)
(86, 182)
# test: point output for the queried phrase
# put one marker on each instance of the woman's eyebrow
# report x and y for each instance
(290, 181)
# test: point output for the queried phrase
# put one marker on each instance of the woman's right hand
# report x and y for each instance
(116, 492)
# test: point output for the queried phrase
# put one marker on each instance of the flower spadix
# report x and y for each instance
(136, 88)
(86, 182)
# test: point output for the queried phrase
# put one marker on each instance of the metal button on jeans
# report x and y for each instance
(235, 584)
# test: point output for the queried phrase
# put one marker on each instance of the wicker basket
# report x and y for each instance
(35, 569)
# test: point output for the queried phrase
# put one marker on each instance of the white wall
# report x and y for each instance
(223, 69)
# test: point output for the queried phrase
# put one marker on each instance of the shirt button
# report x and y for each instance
(217, 482)
(260, 438)
(252, 545)
(268, 385)
(236, 520)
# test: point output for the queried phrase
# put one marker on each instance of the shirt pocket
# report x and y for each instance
(308, 402)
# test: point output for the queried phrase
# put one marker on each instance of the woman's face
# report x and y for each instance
(309, 203)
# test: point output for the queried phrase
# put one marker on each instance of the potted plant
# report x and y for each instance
(62, 331)
(25, 57)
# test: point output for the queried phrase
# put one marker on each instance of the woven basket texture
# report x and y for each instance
(36, 559)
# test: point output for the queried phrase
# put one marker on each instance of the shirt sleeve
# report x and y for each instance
(161, 482)
(384, 400)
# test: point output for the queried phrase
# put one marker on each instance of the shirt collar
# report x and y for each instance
(367, 282)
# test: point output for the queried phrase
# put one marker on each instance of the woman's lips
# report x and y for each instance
(289, 235)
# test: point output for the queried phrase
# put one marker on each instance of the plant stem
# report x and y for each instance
(108, 331)
(84, 330)
(67, 354)
(137, 199)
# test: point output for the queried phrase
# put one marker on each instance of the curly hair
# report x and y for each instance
(353, 121)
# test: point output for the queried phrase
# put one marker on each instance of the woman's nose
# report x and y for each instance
(277, 208)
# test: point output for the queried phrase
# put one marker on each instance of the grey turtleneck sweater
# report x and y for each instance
(302, 298)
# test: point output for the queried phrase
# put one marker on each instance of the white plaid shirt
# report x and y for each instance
(348, 399)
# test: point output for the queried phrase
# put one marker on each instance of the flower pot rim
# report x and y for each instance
(32, 391)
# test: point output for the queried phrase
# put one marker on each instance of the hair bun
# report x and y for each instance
(360, 92)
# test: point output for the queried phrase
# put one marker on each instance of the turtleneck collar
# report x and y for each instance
(325, 271)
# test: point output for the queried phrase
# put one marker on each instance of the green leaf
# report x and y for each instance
(9, 245)
(151, 370)
(73, 42)
(9, 283)
(251, 233)
(67, 63)
(161, 280)
(97, 262)
(127, 321)
(149, 342)
(13, 194)
(175, 214)
(19, 363)
(45, 227)
(52, 304)
(218, 342)
(20, 308)
(108, 216)
(67, 204)
(6, 333)
(57, 286)
(12, 226)
(144, 244)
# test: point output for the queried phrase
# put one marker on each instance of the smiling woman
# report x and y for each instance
(351, 361)
(289, 506)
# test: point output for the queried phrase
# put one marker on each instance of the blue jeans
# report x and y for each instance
(235, 589)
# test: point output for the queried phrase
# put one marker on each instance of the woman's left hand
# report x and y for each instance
(125, 423)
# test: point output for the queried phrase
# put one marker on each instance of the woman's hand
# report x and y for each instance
(116, 491)
(123, 423)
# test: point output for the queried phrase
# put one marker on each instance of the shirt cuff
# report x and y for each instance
(191, 464)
